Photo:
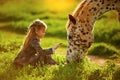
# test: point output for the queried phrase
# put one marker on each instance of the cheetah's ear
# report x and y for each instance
(72, 19)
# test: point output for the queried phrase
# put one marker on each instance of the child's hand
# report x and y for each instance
(57, 45)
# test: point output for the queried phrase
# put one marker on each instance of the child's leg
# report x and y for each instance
(20, 61)
(42, 60)
(37, 59)
(33, 60)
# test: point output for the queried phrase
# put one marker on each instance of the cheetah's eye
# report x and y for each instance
(72, 19)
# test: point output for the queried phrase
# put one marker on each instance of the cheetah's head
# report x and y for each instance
(73, 51)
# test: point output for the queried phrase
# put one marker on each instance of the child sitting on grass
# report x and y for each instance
(31, 52)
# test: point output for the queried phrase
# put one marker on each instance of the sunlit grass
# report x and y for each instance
(59, 5)
(15, 17)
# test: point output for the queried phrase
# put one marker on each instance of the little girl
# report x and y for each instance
(31, 52)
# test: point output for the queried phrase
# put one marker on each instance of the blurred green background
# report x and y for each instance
(15, 17)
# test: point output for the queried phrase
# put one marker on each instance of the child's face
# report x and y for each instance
(40, 32)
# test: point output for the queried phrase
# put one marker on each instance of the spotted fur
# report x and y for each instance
(80, 26)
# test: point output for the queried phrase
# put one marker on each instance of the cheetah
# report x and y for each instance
(80, 26)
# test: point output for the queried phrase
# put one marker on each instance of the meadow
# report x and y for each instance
(15, 18)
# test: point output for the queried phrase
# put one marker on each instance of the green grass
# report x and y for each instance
(78, 71)
(104, 50)
(14, 22)
(107, 30)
